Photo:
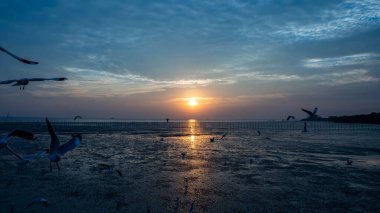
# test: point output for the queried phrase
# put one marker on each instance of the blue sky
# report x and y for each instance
(240, 59)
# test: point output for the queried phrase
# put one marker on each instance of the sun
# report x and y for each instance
(192, 102)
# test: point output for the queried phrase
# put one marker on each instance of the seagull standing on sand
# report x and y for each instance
(16, 57)
(25, 81)
(57, 151)
(304, 127)
(192, 207)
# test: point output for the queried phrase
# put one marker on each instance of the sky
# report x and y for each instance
(256, 59)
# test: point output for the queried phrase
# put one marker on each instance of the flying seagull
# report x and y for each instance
(25, 81)
(16, 57)
(290, 117)
(77, 117)
(312, 115)
(57, 151)
(16, 133)
(223, 136)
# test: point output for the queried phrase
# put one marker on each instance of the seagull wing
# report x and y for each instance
(38, 79)
(18, 58)
(47, 79)
(223, 136)
(307, 111)
(15, 153)
(22, 134)
(54, 144)
(77, 117)
(8, 81)
(72, 144)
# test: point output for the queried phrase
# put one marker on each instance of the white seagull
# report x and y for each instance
(25, 81)
(16, 57)
(57, 151)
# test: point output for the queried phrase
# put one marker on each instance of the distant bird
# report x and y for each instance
(18, 58)
(212, 140)
(223, 136)
(192, 207)
(57, 151)
(258, 132)
(167, 120)
(290, 117)
(183, 154)
(304, 127)
(349, 162)
(38, 200)
(161, 139)
(110, 168)
(25, 81)
(312, 115)
(77, 117)
(16, 133)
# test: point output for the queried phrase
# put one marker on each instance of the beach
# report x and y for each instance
(167, 169)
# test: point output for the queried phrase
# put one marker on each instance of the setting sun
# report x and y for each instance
(192, 102)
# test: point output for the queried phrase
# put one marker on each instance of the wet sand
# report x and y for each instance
(290, 172)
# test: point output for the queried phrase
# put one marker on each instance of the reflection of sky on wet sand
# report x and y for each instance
(243, 173)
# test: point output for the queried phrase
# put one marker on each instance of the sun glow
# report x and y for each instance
(192, 102)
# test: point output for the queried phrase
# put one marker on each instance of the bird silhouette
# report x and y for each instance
(16, 133)
(25, 81)
(57, 151)
(16, 57)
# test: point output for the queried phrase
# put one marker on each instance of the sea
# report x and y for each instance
(194, 166)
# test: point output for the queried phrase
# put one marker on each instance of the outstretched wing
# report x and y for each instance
(15, 153)
(22, 134)
(223, 136)
(47, 79)
(18, 58)
(307, 111)
(54, 144)
(8, 81)
(72, 144)
(77, 117)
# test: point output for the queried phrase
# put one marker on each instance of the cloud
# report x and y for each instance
(341, 21)
(356, 59)
(342, 78)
